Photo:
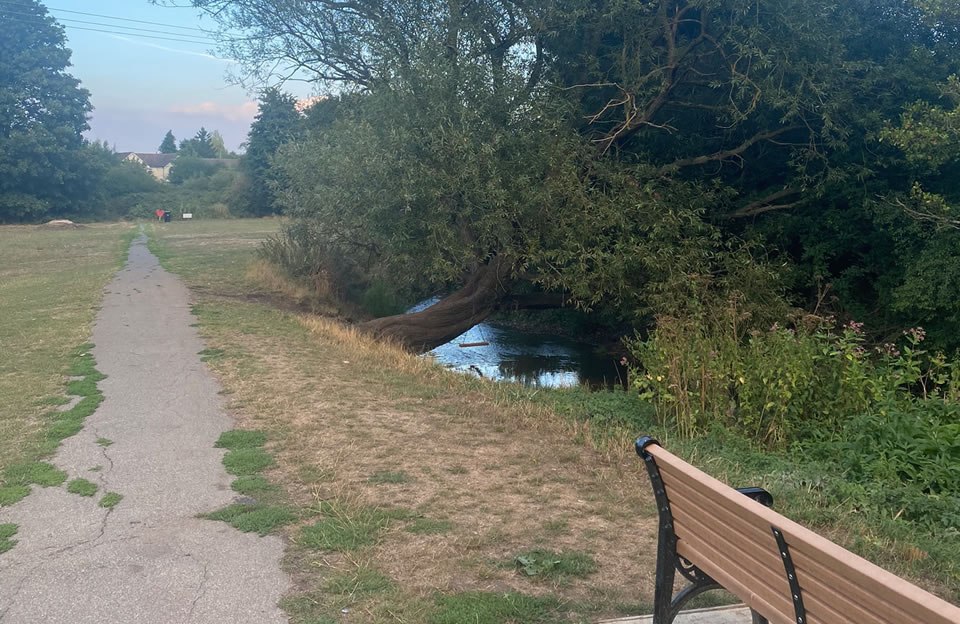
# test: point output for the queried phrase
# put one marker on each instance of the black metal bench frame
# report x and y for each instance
(667, 605)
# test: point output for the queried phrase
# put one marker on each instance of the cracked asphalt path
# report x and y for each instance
(149, 559)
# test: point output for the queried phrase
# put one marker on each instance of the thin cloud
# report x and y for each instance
(175, 50)
(232, 112)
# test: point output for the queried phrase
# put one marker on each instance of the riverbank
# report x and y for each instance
(509, 472)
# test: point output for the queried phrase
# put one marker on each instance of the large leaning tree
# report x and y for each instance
(592, 149)
(44, 168)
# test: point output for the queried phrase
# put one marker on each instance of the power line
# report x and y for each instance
(120, 32)
(162, 32)
(111, 17)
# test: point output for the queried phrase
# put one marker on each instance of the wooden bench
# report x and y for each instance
(717, 537)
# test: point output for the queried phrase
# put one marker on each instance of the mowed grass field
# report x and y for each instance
(51, 286)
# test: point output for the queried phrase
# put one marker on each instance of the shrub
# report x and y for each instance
(782, 384)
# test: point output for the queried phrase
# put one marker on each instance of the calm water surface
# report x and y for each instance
(529, 358)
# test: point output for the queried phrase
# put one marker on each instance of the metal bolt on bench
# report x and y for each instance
(720, 538)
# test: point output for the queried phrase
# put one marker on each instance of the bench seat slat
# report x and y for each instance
(753, 554)
(757, 543)
(854, 577)
(761, 597)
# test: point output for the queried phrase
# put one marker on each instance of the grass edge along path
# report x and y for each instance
(37, 281)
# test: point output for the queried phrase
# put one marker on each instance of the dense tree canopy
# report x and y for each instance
(277, 122)
(613, 153)
(44, 166)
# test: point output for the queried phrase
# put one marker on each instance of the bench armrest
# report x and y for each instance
(760, 495)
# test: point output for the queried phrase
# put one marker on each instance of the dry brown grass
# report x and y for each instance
(342, 407)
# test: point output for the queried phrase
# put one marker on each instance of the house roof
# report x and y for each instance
(157, 160)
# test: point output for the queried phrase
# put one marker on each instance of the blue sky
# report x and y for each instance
(141, 87)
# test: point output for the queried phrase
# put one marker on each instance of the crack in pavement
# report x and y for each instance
(201, 590)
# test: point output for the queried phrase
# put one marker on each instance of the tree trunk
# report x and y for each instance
(421, 331)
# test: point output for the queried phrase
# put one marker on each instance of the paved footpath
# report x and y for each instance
(148, 560)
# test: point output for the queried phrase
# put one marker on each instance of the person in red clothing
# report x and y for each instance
(159, 214)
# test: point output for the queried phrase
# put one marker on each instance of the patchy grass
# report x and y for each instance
(252, 485)
(110, 499)
(390, 477)
(51, 284)
(260, 519)
(247, 461)
(82, 487)
(240, 439)
(12, 494)
(208, 355)
(364, 580)
(348, 527)
(37, 473)
(488, 608)
(427, 526)
(553, 566)
(104, 442)
(6, 532)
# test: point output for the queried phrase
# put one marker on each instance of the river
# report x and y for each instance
(540, 360)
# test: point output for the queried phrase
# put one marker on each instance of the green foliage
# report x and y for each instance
(110, 500)
(38, 473)
(912, 448)
(45, 167)
(489, 608)
(379, 300)
(169, 144)
(277, 123)
(189, 166)
(82, 487)
(241, 439)
(260, 519)
(6, 532)
(12, 494)
(552, 566)
(775, 386)
(247, 461)
(200, 146)
(250, 485)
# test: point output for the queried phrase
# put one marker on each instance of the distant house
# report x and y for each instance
(157, 164)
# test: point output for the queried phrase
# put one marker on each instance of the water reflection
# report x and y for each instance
(531, 359)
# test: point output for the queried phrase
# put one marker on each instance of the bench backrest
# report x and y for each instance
(730, 537)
